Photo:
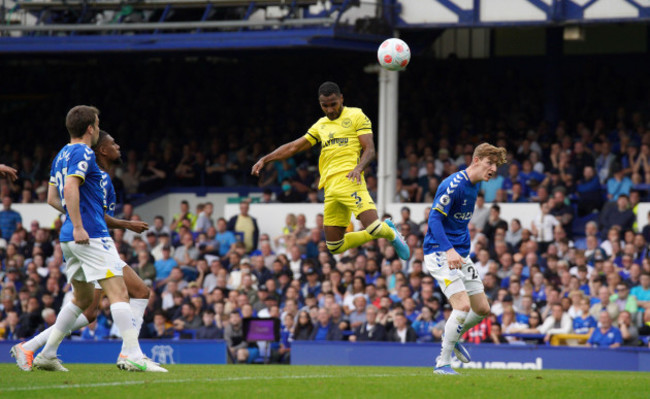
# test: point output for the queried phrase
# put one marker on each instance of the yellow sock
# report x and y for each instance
(350, 240)
(379, 229)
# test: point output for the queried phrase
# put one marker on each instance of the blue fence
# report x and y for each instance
(486, 356)
(162, 351)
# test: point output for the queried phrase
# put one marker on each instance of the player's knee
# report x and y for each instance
(139, 292)
(463, 307)
(336, 247)
(91, 314)
(83, 302)
(482, 310)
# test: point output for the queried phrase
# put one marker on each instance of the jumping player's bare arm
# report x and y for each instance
(280, 153)
(8, 171)
(137, 226)
(368, 155)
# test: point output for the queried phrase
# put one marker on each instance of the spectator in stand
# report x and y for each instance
(617, 214)
(562, 209)
(289, 194)
(496, 336)
(629, 331)
(159, 226)
(513, 177)
(558, 322)
(424, 325)
(245, 224)
(589, 191)
(604, 161)
(10, 220)
(642, 292)
(591, 230)
(238, 348)
(585, 322)
(325, 329)
(369, 330)
(618, 184)
(494, 221)
(210, 329)
(401, 331)
(623, 300)
(165, 265)
(304, 327)
(160, 328)
(604, 305)
(481, 212)
(543, 225)
(606, 335)
(580, 158)
(224, 237)
(178, 218)
(204, 220)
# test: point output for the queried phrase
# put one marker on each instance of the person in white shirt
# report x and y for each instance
(558, 322)
(543, 225)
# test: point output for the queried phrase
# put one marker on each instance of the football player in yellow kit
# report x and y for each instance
(345, 135)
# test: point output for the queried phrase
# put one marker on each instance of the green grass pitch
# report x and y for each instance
(94, 381)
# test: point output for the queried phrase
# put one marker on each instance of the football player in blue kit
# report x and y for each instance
(446, 248)
(89, 251)
(107, 154)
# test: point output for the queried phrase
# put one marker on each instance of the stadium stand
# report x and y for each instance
(181, 123)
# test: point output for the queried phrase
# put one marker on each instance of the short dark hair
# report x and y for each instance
(329, 88)
(79, 118)
(100, 141)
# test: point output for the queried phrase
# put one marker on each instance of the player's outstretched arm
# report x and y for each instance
(282, 152)
(71, 196)
(8, 171)
(368, 155)
(53, 199)
(136, 226)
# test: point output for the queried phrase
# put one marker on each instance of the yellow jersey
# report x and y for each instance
(340, 145)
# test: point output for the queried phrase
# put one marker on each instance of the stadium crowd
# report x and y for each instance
(581, 267)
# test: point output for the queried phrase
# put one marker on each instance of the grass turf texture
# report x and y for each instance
(258, 381)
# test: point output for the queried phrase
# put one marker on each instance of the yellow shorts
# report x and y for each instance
(343, 197)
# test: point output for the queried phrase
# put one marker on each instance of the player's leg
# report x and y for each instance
(118, 297)
(343, 198)
(88, 316)
(336, 218)
(378, 229)
(452, 286)
(66, 319)
(138, 294)
(479, 305)
(460, 304)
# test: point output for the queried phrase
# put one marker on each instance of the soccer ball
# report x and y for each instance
(394, 54)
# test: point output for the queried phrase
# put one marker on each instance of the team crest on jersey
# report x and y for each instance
(444, 200)
(347, 122)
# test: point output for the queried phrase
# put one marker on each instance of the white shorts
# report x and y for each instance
(453, 281)
(96, 261)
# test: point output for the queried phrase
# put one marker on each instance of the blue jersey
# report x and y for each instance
(582, 325)
(453, 207)
(79, 160)
(109, 193)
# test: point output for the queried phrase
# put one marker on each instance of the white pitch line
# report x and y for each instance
(225, 379)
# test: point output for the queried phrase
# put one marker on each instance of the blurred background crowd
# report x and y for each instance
(581, 267)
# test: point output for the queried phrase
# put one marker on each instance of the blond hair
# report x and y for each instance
(488, 150)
